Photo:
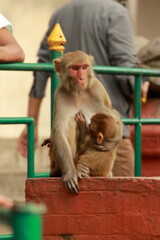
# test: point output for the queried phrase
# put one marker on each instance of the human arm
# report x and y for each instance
(10, 51)
(35, 96)
(122, 51)
(121, 47)
(37, 91)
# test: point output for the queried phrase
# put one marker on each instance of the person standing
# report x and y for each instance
(103, 29)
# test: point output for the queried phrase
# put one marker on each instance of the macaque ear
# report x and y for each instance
(100, 138)
(91, 58)
(57, 63)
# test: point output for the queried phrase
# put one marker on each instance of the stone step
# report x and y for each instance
(13, 186)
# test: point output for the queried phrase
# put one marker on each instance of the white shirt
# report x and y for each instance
(5, 23)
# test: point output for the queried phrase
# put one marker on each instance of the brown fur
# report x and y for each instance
(72, 97)
(98, 150)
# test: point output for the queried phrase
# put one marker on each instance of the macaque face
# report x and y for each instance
(75, 70)
(92, 127)
(79, 74)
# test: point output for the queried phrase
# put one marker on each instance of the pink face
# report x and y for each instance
(79, 72)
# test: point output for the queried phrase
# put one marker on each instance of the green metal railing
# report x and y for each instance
(26, 222)
(30, 124)
(137, 121)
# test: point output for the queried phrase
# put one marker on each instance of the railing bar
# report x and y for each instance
(144, 121)
(137, 115)
(137, 97)
(17, 120)
(126, 71)
(99, 69)
(137, 147)
(30, 127)
(54, 82)
(27, 66)
(43, 174)
(6, 236)
(30, 146)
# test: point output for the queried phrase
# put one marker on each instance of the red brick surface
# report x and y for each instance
(104, 209)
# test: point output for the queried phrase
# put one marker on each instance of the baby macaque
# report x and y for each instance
(97, 144)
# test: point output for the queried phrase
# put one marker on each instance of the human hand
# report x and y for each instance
(6, 202)
(22, 143)
(145, 88)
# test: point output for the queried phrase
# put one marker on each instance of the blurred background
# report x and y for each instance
(30, 21)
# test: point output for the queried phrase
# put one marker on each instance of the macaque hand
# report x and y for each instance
(79, 118)
(71, 181)
(83, 169)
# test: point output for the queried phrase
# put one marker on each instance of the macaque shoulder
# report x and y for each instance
(98, 92)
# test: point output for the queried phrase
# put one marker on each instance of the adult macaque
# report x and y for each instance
(98, 144)
(79, 91)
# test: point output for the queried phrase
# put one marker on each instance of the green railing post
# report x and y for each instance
(31, 172)
(54, 82)
(56, 41)
(26, 222)
(137, 115)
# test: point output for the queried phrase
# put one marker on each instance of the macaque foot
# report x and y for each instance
(110, 174)
(46, 142)
(83, 169)
(56, 172)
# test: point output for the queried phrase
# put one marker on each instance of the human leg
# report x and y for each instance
(124, 162)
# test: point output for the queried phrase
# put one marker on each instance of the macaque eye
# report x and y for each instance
(84, 67)
(91, 125)
(75, 68)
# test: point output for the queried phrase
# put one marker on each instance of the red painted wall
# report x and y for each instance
(104, 209)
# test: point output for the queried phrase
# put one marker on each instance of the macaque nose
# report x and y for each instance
(80, 74)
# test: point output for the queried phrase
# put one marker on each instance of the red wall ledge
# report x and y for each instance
(104, 209)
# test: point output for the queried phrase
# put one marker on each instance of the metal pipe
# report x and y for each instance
(25, 220)
(30, 127)
(54, 82)
(56, 41)
(6, 237)
(137, 115)
(30, 146)
(98, 69)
